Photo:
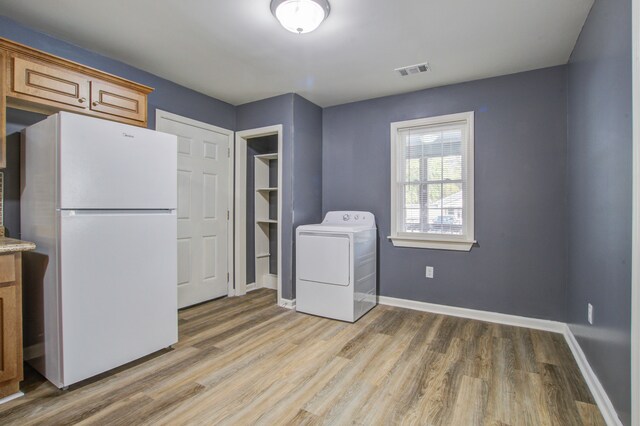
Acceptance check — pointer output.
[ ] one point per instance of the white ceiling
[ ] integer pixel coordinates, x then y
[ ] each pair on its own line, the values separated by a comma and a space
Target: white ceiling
236, 51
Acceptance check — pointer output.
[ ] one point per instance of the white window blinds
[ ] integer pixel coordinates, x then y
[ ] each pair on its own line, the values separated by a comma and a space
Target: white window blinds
431, 183
432, 173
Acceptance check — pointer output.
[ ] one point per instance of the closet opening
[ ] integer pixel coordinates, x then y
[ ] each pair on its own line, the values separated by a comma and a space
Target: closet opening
258, 210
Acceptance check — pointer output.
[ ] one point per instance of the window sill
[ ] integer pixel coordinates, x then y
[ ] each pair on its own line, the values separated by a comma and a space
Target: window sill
432, 244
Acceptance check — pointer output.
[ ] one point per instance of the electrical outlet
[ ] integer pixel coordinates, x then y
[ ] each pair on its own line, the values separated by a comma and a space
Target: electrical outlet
590, 313
429, 272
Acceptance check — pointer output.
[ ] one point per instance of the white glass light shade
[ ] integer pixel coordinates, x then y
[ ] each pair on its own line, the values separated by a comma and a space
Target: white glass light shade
300, 16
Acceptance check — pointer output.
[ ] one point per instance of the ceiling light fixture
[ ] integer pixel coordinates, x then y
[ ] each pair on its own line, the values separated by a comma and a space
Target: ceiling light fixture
300, 16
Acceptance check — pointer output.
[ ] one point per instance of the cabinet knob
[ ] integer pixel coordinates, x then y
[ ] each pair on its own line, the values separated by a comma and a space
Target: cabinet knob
82, 100
94, 103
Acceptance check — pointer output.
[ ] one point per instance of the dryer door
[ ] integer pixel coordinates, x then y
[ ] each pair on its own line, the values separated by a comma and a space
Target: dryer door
324, 258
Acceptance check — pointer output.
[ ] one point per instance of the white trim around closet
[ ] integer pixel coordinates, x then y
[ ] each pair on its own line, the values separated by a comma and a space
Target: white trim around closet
241, 285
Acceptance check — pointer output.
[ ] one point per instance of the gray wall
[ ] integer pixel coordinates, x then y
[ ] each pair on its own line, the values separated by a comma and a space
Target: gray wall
519, 266
301, 190
307, 166
599, 196
167, 96
268, 112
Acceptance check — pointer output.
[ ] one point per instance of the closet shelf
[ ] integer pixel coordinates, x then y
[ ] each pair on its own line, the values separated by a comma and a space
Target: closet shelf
266, 189
272, 156
266, 221
259, 256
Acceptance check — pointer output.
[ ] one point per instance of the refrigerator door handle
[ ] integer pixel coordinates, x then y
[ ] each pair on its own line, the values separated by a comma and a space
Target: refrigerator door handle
112, 212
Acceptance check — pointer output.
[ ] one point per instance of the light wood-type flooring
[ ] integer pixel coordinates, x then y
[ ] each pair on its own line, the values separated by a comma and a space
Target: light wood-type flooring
244, 361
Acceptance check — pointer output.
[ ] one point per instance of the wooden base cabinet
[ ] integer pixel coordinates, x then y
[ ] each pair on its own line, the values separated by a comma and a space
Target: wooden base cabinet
11, 372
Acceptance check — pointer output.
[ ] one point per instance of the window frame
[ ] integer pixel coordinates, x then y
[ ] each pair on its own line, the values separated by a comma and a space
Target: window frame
462, 242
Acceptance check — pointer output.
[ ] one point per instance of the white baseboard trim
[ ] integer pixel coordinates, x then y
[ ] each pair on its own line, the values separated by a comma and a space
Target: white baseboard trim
598, 392
288, 303
270, 281
602, 400
535, 323
11, 397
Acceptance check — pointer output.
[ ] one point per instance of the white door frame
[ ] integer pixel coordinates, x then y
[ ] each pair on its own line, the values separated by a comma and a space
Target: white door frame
164, 115
241, 205
635, 232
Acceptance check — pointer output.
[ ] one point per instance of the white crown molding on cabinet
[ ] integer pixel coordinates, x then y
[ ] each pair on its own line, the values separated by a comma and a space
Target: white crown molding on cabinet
599, 394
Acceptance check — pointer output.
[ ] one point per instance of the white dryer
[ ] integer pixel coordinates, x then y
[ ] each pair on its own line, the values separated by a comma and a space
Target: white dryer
336, 266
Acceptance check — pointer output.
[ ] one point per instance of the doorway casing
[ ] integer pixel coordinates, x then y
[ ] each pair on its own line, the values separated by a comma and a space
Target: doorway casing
240, 220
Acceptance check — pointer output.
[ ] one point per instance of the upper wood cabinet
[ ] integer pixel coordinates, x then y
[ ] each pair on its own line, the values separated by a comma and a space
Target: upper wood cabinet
118, 101
37, 81
44, 82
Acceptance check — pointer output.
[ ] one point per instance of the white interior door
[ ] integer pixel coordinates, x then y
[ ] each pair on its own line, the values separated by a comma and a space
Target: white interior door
203, 205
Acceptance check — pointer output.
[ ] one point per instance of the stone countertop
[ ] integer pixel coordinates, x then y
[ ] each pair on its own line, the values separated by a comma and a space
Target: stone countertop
11, 245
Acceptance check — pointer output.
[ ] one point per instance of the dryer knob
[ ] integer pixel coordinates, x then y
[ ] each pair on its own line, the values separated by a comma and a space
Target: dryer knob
346, 217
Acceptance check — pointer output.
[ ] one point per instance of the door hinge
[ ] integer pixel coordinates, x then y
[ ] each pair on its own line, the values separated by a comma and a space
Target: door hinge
227, 277
228, 152
227, 214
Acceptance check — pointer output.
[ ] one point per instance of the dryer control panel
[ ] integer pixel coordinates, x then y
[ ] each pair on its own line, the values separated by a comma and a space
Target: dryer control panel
349, 217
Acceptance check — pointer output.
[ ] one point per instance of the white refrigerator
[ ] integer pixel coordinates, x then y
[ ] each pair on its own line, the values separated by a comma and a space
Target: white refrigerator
99, 200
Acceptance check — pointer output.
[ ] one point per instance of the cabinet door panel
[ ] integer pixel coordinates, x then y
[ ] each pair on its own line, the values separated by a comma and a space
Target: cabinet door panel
7, 269
118, 101
8, 333
51, 83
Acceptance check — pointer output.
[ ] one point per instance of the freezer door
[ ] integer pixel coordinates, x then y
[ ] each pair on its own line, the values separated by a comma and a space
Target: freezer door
324, 258
118, 294
107, 165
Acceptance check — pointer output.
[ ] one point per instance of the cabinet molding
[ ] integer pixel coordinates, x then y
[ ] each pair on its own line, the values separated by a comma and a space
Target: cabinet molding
37, 81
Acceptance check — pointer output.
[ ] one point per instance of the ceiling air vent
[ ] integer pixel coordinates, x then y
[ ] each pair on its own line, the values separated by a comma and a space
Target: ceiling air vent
413, 69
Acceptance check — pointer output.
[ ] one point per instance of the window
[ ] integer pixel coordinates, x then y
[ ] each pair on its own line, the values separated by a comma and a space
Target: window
432, 182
